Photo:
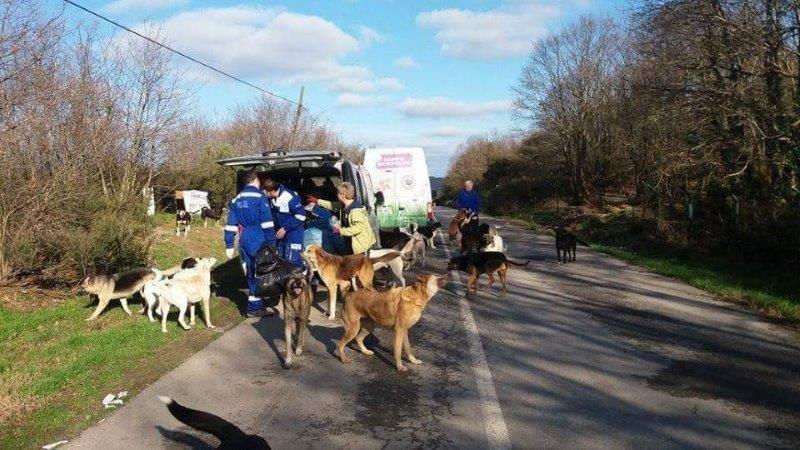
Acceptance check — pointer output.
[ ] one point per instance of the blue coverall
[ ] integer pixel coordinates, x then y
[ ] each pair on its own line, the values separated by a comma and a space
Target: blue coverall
250, 210
469, 200
291, 216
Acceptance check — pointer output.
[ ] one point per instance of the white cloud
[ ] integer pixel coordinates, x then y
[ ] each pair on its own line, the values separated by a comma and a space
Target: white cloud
441, 107
405, 62
447, 132
391, 84
269, 43
120, 6
498, 33
368, 36
348, 99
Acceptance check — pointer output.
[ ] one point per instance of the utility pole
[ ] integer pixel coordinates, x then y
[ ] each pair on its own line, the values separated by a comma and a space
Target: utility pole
297, 117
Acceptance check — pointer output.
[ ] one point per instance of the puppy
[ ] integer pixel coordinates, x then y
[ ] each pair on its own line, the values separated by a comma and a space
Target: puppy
477, 264
187, 288
229, 435
182, 219
210, 213
397, 309
297, 300
430, 232
340, 271
117, 286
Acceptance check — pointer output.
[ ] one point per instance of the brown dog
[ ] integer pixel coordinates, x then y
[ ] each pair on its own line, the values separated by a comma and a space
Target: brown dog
454, 229
477, 264
341, 271
296, 309
397, 309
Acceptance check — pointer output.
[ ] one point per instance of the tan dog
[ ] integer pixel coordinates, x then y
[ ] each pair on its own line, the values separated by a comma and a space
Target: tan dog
454, 229
117, 286
397, 309
341, 271
296, 310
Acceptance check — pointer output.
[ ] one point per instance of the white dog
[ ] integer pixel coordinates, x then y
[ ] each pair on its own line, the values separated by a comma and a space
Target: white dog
186, 288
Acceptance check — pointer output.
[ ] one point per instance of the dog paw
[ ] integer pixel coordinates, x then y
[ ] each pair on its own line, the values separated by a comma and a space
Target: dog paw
332, 317
415, 361
164, 331
287, 364
210, 326
402, 369
298, 352
367, 352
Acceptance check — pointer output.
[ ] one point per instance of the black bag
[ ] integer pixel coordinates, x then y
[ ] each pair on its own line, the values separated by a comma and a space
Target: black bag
272, 272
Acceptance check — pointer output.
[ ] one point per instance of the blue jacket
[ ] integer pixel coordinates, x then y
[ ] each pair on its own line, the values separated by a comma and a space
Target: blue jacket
469, 200
250, 210
289, 213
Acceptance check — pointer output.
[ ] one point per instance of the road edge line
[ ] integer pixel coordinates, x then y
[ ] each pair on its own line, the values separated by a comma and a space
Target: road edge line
496, 430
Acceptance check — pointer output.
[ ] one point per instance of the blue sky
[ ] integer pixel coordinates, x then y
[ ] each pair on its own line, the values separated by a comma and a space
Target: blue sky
381, 72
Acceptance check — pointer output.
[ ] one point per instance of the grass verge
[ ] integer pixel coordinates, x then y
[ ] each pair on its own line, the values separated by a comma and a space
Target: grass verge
770, 291
55, 368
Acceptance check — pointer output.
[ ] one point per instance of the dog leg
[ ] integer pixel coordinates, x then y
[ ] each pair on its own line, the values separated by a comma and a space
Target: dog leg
205, 222
182, 317
101, 305
398, 349
287, 335
363, 333
503, 273
177, 230
350, 332
207, 312
124, 303
491, 280
150, 307
164, 314
407, 348
300, 335
333, 291
191, 314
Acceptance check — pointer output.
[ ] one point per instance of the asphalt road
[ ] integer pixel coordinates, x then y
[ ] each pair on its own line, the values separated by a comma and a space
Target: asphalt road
595, 354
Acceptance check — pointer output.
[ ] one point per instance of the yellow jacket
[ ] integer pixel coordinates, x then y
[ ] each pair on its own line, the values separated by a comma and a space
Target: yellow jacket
359, 229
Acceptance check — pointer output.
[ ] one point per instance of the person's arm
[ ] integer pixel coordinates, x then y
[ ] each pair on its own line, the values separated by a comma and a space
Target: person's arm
298, 212
458, 200
358, 224
477, 201
267, 223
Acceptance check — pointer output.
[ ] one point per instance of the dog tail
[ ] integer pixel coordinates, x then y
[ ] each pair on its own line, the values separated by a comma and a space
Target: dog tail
518, 264
201, 420
385, 258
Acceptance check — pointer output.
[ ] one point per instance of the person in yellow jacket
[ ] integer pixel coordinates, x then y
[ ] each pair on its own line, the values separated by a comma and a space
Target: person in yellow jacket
355, 227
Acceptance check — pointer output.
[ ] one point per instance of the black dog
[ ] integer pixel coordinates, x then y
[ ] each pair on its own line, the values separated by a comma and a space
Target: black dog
566, 242
183, 218
477, 264
229, 435
430, 231
394, 238
210, 213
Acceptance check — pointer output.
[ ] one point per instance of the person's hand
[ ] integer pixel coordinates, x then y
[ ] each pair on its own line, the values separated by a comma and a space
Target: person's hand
280, 234
337, 229
229, 253
311, 199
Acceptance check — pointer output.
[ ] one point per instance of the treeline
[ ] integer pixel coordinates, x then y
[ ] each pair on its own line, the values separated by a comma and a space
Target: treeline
87, 123
690, 109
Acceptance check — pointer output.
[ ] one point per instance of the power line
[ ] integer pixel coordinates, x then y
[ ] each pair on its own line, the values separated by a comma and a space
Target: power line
178, 52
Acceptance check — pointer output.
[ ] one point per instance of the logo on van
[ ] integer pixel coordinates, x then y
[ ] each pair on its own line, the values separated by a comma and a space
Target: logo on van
396, 161
408, 182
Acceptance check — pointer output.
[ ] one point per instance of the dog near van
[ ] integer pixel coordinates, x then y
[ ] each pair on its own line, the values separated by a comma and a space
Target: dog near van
182, 219
297, 298
211, 213
119, 286
397, 309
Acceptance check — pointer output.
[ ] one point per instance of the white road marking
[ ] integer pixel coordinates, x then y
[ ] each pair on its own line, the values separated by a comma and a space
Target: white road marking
496, 430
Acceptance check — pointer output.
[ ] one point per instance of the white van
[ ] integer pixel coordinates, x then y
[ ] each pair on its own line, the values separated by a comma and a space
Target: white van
401, 174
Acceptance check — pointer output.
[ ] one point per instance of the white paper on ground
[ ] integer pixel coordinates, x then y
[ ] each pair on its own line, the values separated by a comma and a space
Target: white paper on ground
53, 445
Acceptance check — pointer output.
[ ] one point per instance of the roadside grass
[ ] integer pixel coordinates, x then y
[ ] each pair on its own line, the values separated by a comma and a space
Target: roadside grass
773, 292
55, 368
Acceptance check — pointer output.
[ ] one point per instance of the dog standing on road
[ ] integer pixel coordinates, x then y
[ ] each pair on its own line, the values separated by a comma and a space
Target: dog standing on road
430, 231
183, 219
477, 264
397, 309
117, 286
566, 242
297, 300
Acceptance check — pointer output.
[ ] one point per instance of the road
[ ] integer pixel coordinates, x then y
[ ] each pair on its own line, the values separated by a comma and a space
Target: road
595, 354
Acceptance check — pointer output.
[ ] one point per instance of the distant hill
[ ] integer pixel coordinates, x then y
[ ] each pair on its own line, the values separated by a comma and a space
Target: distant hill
437, 183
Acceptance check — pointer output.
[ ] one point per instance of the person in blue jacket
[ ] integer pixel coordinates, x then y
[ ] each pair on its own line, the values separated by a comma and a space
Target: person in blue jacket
468, 199
250, 211
290, 216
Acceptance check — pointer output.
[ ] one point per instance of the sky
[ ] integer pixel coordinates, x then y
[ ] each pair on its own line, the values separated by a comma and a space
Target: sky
380, 72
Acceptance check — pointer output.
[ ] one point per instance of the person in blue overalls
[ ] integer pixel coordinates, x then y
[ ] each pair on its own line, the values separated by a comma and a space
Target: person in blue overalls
250, 210
290, 217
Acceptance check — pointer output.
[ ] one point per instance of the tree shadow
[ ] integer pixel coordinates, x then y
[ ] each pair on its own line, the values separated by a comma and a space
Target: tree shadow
229, 282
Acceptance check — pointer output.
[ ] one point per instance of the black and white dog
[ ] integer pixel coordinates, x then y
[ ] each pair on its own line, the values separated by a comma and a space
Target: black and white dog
210, 213
183, 219
430, 231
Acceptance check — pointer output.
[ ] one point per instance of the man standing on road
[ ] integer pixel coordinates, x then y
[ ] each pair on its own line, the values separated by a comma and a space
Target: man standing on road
291, 216
468, 199
250, 211
355, 226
